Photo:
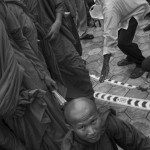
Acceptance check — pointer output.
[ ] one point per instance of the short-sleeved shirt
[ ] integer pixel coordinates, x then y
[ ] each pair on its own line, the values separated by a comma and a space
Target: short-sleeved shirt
117, 14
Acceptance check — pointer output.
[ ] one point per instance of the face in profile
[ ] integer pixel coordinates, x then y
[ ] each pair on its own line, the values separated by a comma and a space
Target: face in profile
88, 127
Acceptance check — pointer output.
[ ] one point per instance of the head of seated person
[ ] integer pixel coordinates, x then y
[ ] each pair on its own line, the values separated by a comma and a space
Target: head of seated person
83, 118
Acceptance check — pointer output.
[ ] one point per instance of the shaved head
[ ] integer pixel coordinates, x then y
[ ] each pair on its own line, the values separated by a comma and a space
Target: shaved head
78, 109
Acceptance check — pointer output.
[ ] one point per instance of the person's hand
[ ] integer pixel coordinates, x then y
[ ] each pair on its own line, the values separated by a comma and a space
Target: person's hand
20, 111
105, 68
50, 82
104, 73
54, 31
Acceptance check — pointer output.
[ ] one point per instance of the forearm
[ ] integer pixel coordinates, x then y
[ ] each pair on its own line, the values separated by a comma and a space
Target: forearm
111, 27
59, 18
106, 59
126, 135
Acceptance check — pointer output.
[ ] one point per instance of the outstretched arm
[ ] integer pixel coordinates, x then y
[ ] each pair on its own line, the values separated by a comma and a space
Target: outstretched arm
127, 136
111, 26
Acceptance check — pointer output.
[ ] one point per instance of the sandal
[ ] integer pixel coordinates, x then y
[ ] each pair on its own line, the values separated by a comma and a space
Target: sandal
124, 62
137, 72
87, 37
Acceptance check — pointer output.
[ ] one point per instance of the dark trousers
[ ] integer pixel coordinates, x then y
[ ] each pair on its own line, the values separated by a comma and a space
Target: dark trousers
125, 44
146, 64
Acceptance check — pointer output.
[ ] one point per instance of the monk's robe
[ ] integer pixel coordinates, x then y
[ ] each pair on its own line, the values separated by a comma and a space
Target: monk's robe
29, 31
71, 65
11, 75
113, 132
42, 127
70, 22
26, 24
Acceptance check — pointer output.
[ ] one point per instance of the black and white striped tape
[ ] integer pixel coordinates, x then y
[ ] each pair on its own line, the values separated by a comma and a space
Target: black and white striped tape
115, 82
127, 101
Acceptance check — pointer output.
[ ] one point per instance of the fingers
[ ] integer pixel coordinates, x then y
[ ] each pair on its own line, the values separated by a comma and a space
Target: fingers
54, 85
52, 37
20, 111
49, 35
102, 78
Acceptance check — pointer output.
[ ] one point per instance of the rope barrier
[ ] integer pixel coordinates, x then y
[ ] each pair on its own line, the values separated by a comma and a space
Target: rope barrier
127, 101
115, 82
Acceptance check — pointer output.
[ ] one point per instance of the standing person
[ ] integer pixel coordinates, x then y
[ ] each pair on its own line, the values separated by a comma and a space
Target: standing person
49, 14
18, 8
11, 75
39, 126
82, 20
121, 18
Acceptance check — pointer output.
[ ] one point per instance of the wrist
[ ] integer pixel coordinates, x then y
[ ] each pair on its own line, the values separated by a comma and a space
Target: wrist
106, 59
58, 21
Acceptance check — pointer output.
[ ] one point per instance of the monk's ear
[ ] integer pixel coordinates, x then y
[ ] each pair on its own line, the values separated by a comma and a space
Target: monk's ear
69, 127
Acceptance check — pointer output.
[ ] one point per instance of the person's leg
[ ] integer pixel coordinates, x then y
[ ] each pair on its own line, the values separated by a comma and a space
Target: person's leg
125, 44
146, 64
132, 50
81, 10
82, 14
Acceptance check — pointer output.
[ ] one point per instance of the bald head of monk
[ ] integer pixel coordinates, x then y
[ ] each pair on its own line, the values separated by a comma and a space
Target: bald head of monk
82, 116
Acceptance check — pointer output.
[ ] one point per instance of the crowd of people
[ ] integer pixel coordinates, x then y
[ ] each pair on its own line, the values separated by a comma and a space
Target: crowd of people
41, 52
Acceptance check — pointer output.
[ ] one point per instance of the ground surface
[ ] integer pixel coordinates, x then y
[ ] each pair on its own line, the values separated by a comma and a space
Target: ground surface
92, 53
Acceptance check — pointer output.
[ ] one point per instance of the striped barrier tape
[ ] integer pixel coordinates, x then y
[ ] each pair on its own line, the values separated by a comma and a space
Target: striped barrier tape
115, 82
127, 101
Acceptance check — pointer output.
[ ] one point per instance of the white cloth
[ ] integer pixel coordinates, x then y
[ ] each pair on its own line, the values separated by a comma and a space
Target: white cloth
117, 14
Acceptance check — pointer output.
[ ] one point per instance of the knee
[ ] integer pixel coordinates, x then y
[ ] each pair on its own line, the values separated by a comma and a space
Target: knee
121, 45
146, 64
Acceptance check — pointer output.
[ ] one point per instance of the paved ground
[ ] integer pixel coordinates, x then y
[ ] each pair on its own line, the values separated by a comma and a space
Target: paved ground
92, 53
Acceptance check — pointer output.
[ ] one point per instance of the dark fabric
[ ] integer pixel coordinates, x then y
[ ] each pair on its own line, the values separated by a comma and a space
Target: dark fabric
42, 127
146, 64
113, 131
8, 140
26, 24
29, 31
71, 25
50, 8
43, 118
71, 65
11, 75
127, 136
125, 38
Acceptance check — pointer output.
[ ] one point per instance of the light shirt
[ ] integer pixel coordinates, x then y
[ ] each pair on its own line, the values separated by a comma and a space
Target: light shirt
117, 14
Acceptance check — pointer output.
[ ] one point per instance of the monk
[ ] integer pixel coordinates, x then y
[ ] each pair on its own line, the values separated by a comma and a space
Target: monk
24, 82
11, 75
49, 14
94, 130
26, 22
